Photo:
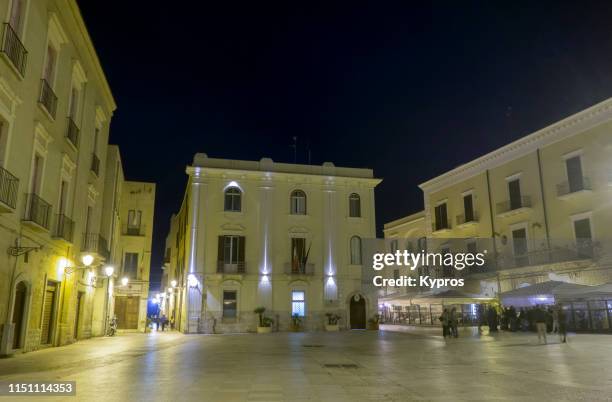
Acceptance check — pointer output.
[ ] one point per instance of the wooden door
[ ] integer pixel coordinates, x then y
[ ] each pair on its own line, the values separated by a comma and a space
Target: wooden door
358, 312
127, 309
77, 319
48, 313
19, 310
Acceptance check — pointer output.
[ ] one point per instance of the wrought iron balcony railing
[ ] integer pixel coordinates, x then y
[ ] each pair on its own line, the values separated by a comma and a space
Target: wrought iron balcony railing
238, 267
514, 204
296, 268
14, 49
64, 227
47, 98
8, 188
134, 230
440, 225
95, 243
72, 132
573, 186
463, 219
95, 164
37, 210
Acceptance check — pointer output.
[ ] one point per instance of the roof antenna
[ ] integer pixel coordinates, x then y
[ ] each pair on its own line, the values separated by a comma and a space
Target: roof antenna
294, 146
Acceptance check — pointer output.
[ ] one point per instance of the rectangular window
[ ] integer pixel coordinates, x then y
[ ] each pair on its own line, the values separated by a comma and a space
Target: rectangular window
514, 190
574, 174
16, 15
584, 240
468, 208
74, 102
134, 220
298, 303
231, 254
63, 197
519, 246
441, 217
130, 265
49, 71
394, 246
37, 174
298, 254
229, 304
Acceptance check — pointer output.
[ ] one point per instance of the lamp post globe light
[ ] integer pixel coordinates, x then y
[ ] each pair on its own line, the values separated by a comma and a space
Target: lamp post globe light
125, 281
109, 270
173, 283
87, 259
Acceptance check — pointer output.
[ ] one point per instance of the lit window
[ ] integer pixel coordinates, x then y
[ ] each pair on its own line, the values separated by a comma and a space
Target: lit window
229, 304
298, 303
233, 199
355, 250
354, 206
298, 203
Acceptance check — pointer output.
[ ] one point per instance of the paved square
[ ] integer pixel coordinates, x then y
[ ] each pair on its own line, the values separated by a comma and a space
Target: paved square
417, 364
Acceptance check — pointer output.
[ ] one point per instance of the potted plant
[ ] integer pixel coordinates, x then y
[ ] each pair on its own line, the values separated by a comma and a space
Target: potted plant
332, 322
265, 323
296, 323
373, 322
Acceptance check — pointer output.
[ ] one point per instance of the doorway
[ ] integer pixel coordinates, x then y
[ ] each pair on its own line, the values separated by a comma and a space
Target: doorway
77, 320
357, 312
19, 314
46, 335
127, 309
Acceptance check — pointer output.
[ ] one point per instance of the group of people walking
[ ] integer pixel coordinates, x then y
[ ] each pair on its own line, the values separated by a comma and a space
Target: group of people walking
450, 322
538, 318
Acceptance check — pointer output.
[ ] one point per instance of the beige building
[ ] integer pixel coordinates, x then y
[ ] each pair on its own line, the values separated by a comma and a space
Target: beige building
540, 206
61, 186
55, 110
259, 233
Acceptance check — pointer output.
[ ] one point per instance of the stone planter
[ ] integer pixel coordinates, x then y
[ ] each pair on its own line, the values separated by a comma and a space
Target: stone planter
264, 330
332, 328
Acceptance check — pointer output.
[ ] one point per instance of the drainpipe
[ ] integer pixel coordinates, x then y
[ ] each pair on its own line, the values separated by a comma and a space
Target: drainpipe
493, 232
543, 202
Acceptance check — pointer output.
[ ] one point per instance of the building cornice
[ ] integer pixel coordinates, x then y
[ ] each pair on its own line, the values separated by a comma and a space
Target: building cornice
568, 127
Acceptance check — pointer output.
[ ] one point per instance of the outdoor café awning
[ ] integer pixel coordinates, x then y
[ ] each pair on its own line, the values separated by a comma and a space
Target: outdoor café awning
449, 296
542, 293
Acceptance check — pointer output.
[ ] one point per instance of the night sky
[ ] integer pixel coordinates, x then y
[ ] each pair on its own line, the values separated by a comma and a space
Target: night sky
410, 92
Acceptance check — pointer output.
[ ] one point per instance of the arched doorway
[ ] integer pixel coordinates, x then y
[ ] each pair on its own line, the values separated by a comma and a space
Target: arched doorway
358, 312
19, 312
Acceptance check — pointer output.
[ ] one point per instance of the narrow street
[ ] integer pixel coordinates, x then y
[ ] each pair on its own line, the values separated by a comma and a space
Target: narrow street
346, 366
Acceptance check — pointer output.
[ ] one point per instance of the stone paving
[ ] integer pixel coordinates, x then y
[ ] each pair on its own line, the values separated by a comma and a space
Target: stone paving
398, 364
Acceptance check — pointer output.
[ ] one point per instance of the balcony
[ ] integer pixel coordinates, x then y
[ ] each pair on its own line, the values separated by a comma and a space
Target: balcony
299, 268
440, 225
510, 207
9, 185
72, 133
13, 49
238, 267
95, 164
64, 228
96, 244
36, 212
47, 98
463, 220
132, 230
568, 188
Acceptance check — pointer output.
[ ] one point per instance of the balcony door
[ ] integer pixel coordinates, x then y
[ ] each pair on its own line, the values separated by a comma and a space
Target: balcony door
298, 254
37, 174
17, 8
231, 254
574, 174
514, 189
584, 240
468, 207
441, 217
519, 246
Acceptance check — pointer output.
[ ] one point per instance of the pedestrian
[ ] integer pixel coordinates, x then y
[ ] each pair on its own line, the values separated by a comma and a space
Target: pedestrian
163, 320
444, 318
453, 322
555, 317
562, 324
539, 316
492, 319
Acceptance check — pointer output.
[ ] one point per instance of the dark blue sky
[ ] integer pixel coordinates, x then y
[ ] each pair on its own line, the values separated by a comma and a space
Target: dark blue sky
409, 91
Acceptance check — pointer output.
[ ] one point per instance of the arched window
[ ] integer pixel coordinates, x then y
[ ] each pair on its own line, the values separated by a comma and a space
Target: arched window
355, 250
298, 202
233, 199
354, 205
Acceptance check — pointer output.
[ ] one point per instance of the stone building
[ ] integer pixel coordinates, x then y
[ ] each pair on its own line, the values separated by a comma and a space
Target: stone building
55, 111
540, 206
287, 237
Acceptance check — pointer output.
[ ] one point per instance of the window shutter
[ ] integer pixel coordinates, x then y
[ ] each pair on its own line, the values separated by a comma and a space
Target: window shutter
241, 241
220, 248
